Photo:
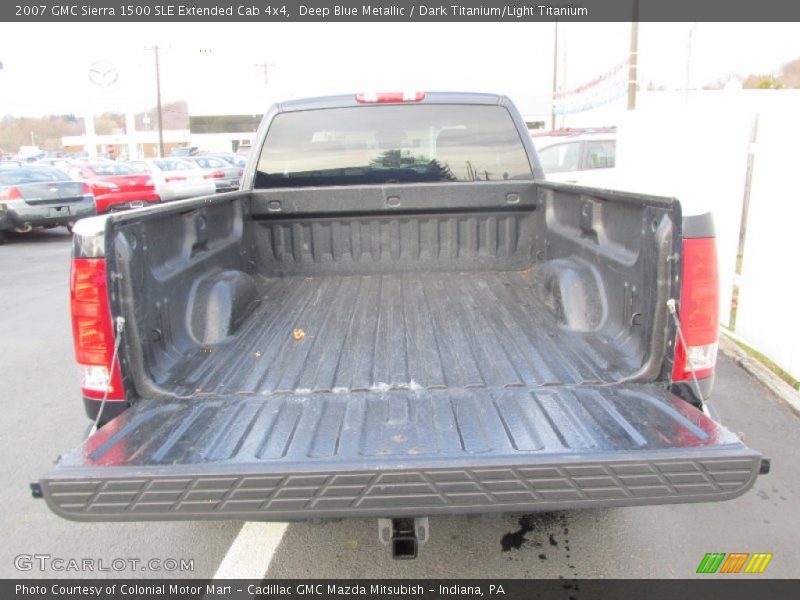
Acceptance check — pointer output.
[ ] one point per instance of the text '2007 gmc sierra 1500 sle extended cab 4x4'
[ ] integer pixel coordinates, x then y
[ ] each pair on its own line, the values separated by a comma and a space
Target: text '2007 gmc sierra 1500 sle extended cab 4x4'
395, 317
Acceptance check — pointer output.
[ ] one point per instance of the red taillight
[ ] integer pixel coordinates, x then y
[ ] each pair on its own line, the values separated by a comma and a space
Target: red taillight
381, 97
172, 178
92, 330
699, 310
102, 185
214, 175
9, 194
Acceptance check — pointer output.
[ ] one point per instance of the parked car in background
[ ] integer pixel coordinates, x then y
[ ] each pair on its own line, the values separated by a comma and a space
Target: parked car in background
41, 196
58, 162
232, 159
30, 154
585, 158
175, 178
116, 186
225, 176
184, 151
10, 163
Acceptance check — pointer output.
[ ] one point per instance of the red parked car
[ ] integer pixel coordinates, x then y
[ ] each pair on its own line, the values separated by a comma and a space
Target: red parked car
116, 186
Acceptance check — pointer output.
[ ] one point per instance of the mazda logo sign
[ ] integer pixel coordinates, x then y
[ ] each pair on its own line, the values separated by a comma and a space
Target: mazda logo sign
103, 73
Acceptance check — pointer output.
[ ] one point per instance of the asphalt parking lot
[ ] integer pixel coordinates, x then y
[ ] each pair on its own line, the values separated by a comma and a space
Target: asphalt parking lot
43, 416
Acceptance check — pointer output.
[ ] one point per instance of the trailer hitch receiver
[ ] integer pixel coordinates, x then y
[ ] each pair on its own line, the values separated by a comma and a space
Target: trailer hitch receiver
404, 536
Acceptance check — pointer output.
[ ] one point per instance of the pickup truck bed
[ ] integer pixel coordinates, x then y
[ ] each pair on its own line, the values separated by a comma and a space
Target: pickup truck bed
442, 368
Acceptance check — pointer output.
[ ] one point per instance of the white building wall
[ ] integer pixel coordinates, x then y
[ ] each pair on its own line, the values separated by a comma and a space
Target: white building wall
768, 316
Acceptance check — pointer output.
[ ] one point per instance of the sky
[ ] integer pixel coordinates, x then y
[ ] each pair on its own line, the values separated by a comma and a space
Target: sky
214, 66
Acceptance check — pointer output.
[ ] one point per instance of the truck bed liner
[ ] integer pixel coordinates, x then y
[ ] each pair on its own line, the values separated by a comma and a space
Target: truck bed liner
401, 331
400, 453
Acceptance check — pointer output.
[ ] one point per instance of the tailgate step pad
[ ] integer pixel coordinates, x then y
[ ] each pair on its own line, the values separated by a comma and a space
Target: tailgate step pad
400, 453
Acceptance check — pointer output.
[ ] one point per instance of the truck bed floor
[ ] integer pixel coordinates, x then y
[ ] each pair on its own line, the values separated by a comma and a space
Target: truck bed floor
407, 331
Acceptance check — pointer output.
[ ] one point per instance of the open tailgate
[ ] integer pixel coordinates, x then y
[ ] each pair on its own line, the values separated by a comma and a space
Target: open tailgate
400, 453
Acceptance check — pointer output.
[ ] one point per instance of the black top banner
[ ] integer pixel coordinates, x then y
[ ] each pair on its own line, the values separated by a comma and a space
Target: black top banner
276, 11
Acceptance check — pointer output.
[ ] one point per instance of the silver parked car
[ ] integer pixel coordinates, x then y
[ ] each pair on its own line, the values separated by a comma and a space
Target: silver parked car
41, 196
226, 176
233, 159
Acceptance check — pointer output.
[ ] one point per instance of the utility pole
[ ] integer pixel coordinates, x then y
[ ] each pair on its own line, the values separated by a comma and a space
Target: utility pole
634, 56
688, 83
266, 67
555, 78
158, 105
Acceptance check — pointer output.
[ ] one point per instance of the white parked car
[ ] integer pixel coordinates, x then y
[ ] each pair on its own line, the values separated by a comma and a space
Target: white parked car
583, 158
175, 178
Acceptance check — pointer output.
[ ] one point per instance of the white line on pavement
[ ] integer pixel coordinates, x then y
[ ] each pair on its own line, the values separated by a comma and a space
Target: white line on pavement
251, 552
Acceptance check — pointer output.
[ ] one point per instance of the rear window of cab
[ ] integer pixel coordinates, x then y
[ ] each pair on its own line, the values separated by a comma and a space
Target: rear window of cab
392, 144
